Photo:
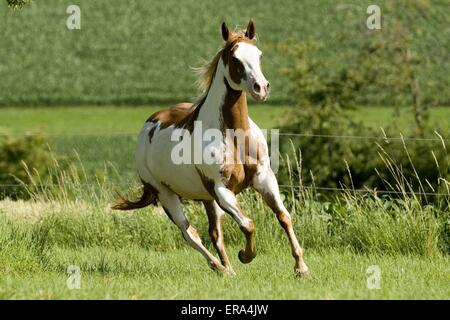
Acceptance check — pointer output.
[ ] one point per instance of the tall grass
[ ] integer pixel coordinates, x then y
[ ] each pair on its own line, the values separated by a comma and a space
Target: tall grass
78, 215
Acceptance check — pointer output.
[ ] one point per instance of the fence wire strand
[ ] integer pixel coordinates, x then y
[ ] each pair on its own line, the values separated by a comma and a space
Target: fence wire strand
285, 186
287, 134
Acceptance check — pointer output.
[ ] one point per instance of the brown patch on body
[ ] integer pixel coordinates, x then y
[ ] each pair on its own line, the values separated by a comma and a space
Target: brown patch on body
193, 232
284, 220
240, 172
181, 115
208, 183
235, 109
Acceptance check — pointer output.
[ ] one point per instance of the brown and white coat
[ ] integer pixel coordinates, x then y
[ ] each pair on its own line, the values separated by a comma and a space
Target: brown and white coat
234, 71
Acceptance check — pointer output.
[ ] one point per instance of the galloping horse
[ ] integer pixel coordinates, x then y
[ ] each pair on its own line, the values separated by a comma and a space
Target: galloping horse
234, 71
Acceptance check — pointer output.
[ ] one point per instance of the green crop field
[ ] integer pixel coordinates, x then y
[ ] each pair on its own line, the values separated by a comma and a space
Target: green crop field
139, 52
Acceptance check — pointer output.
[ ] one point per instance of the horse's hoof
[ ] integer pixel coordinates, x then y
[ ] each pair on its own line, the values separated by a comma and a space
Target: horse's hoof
231, 272
245, 258
301, 271
218, 267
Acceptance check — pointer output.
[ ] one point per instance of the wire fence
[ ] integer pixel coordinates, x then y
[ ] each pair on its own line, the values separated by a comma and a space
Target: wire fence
282, 186
287, 134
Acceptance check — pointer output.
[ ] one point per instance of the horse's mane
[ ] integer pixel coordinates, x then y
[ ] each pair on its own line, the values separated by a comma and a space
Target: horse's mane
207, 72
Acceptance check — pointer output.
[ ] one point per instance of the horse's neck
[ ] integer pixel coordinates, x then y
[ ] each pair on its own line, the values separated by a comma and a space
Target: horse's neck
234, 109
224, 108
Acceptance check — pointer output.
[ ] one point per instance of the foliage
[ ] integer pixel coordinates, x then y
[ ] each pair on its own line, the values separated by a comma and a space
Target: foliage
24, 160
17, 3
335, 150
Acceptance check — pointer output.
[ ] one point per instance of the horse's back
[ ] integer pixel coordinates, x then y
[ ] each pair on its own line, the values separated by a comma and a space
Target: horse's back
173, 115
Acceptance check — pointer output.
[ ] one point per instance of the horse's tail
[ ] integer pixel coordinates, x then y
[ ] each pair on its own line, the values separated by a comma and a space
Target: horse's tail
148, 197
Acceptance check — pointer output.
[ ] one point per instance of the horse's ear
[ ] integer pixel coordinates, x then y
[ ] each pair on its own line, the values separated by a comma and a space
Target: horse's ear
250, 32
225, 31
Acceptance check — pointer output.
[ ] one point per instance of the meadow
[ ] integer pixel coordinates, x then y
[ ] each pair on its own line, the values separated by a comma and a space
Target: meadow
89, 91
141, 254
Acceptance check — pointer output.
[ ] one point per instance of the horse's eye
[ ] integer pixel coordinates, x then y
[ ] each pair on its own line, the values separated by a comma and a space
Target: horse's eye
234, 59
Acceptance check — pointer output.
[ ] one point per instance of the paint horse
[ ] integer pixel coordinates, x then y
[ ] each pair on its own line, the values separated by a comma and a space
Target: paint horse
234, 71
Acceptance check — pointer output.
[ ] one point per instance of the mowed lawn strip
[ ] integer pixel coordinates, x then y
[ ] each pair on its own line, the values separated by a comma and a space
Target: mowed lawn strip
121, 120
107, 120
131, 273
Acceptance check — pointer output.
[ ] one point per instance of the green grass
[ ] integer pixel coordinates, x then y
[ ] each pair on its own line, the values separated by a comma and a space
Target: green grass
141, 254
183, 275
106, 120
102, 135
381, 117
96, 120
137, 52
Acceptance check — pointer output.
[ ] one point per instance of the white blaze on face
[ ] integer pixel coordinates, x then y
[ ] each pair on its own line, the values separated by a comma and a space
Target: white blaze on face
254, 81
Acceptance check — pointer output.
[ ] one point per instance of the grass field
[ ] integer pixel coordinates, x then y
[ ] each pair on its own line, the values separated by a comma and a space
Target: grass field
141, 254
96, 120
90, 90
105, 120
180, 274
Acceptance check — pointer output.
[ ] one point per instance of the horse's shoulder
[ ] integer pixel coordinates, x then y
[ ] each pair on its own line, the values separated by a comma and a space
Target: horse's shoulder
172, 115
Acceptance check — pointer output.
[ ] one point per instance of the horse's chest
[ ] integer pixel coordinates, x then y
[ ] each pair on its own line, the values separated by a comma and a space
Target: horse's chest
239, 168
237, 177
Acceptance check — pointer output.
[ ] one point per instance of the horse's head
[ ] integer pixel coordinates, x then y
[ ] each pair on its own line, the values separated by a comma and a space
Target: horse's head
242, 60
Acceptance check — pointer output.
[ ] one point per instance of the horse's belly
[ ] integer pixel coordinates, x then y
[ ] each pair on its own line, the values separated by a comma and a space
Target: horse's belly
184, 180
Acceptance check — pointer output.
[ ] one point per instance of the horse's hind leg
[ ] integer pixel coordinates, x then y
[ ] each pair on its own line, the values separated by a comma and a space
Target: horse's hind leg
266, 184
172, 206
215, 215
228, 202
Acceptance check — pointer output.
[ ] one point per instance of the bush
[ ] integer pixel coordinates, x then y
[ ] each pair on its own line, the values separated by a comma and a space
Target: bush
333, 149
23, 159
17, 3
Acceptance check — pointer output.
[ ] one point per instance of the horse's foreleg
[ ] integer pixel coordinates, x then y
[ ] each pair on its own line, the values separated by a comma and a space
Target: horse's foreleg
172, 206
266, 184
226, 199
215, 215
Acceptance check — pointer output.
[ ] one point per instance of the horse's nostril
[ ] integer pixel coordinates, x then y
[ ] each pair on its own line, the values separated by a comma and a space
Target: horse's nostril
268, 86
256, 88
